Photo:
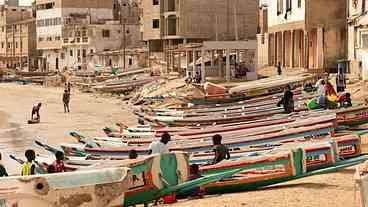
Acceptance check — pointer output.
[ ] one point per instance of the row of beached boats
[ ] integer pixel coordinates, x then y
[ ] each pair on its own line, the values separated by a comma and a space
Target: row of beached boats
267, 147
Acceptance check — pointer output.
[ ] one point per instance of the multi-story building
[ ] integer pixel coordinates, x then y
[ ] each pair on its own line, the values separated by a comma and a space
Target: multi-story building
172, 22
358, 37
21, 49
307, 34
17, 36
52, 18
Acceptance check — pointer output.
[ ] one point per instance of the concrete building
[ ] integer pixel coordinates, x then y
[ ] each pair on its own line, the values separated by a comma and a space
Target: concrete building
358, 38
135, 58
52, 18
17, 36
307, 34
262, 37
167, 23
21, 49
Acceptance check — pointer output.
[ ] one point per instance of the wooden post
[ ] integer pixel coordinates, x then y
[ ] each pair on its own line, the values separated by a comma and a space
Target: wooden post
187, 63
228, 78
203, 66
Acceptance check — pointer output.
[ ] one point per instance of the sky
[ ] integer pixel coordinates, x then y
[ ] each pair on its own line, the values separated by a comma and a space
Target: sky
21, 2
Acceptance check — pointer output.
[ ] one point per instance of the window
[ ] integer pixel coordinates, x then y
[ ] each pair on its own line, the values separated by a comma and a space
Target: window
3, 29
85, 39
84, 33
40, 39
84, 53
299, 3
156, 2
280, 6
58, 38
9, 45
364, 37
78, 53
66, 40
16, 44
49, 39
130, 61
77, 33
91, 51
62, 56
2, 44
78, 39
106, 33
155, 23
71, 53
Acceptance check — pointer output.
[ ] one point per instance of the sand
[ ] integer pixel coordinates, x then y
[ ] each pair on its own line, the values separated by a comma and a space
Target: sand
90, 113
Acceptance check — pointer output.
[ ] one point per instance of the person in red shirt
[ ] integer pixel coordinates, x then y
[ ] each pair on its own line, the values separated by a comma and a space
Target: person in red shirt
59, 162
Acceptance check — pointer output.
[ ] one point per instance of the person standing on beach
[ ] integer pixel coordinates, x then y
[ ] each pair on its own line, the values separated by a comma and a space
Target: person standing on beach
279, 70
29, 166
287, 100
160, 147
66, 100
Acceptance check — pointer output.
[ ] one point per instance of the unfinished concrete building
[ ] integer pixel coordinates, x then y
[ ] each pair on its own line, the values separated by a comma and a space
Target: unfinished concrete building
167, 23
307, 34
358, 38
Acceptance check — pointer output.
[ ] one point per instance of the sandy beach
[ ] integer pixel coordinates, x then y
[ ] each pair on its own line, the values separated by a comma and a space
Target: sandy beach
90, 113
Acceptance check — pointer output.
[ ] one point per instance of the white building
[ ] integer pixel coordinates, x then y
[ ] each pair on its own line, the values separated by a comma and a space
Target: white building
54, 16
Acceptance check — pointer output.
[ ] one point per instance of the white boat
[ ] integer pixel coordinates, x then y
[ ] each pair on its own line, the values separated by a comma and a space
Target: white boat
102, 187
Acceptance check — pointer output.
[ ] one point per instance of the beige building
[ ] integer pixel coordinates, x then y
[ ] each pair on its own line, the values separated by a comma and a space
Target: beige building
358, 37
17, 36
171, 22
21, 49
306, 34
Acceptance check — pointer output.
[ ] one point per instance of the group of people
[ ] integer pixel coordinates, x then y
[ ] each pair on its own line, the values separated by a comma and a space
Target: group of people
30, 165
327, 97
35, 115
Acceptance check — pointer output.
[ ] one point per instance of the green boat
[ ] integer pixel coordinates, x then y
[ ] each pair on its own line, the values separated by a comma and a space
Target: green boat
284, 165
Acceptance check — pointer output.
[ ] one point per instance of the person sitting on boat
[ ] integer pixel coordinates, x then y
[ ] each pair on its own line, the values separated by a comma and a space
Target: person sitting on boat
160, 147
133, 154
195, 174
287, 100
59, 162
29, 166
345, 100
3, 172
221, 151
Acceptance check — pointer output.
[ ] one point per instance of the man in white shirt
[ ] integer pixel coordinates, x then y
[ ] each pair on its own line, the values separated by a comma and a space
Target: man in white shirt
160, 147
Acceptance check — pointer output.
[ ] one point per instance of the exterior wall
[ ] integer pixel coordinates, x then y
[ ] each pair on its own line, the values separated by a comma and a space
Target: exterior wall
357, 27
77, 48
296, 16
133, 60
262, 50
150, 12
195, 21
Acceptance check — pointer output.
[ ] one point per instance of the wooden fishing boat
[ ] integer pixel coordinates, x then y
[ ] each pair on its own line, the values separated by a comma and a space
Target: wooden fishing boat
228, 132
103, 187
306, 131
352, 116
126, 183
280, 166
